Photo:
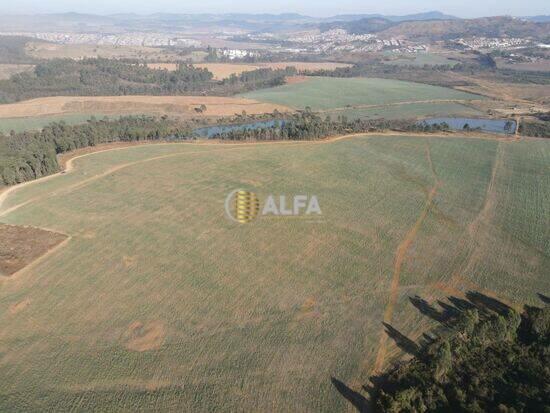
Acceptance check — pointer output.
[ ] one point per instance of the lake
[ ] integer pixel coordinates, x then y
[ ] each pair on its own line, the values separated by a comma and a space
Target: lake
211, 131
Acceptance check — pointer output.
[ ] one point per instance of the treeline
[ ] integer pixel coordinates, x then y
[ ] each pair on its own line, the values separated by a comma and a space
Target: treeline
489, 358
307, 125
255, 79
66, 77
30, 155
535, 128
483, 66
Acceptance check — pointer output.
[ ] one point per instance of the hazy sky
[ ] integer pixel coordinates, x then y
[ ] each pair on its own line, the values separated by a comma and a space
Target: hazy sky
461, 8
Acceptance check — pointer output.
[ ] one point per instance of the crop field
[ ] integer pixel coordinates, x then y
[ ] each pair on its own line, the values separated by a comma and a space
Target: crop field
158, 301
117, 105
329, 93
407, 111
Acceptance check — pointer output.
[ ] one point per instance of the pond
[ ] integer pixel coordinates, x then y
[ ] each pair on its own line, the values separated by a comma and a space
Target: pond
505, 126
211, 131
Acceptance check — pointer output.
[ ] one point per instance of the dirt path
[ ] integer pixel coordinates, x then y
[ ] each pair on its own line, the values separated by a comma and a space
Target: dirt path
400, 255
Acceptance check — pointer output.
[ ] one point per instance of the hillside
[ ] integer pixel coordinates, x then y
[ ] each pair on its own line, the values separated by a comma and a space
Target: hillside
438, 29
486, 26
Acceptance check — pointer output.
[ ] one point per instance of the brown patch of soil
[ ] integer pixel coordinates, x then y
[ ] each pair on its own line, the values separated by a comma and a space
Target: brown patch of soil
20, 306
296, 79
144, 337
20, 246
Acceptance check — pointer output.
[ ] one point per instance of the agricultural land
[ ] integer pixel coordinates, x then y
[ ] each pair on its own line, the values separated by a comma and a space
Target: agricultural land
158, 302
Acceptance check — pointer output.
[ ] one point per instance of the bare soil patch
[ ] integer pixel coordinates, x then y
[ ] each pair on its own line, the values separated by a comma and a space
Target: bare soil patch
20, 246
296, 79
143, 337
158, 105
19, 306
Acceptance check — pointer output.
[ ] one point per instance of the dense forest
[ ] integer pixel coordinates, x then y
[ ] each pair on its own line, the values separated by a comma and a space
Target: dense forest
489, 358
30, 155
95, 77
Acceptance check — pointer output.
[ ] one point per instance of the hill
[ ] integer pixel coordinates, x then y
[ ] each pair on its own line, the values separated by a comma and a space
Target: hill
438, 29
486, 27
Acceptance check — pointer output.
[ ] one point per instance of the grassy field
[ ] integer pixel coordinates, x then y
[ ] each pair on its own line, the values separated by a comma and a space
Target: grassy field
414, 110
38, 122
158, 301
419, 59
119, 105
43, 50
329, 93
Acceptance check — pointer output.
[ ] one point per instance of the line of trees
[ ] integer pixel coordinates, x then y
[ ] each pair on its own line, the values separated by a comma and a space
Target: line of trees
307, 125
30, 155
66, 77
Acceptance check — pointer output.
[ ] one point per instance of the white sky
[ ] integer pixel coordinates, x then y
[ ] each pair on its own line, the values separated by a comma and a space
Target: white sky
461, 8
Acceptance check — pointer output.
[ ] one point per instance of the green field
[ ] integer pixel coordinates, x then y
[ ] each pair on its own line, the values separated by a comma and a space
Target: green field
408, 111
419, 59
321, 93
38, 122
158, 302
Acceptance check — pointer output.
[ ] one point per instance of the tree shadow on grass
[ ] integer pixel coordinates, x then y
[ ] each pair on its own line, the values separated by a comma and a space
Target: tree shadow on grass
445, 314
544, 298
356, 399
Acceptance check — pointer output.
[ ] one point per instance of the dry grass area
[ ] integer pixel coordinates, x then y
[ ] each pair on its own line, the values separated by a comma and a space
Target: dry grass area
159, 303
224, 70
158, 105
20, 246
42, 50
7, 70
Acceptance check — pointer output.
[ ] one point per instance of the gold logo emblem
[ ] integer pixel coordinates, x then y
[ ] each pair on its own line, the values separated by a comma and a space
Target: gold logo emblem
242, 206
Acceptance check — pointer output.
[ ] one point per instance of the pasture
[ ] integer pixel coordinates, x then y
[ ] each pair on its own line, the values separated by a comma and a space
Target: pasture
158, 301
321, 93
119, 105
407, 111
44, 50
418, 59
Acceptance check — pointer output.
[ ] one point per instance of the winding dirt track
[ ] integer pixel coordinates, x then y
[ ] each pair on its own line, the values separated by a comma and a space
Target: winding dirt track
400, 255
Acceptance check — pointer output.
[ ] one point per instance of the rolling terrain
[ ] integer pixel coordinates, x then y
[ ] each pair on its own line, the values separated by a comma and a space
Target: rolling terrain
157, 301
321, 93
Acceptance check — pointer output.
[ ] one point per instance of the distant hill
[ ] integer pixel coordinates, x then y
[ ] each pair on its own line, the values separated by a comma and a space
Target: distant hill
431, 15
539, 19
445, 29
486, 26
361, 26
